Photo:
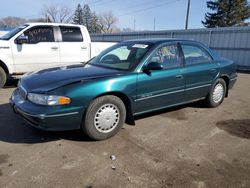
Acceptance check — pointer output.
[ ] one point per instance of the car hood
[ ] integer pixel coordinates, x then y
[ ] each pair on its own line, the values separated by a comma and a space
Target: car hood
56, 77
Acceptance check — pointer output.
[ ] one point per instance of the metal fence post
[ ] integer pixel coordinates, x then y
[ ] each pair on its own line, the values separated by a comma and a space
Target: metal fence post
209, 38
172, 34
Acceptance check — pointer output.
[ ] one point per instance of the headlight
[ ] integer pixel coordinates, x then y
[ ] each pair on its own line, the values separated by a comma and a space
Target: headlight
48, 99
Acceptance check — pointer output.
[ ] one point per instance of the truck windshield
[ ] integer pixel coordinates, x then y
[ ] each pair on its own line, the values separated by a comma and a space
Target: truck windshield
13, 32
123, 56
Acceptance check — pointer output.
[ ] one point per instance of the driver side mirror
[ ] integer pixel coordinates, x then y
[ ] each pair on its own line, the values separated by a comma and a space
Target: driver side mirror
153, 66
23, 39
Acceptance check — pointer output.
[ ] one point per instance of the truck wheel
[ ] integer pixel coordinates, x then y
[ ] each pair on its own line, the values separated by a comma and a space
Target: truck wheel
104, 117
217, 93
3, 77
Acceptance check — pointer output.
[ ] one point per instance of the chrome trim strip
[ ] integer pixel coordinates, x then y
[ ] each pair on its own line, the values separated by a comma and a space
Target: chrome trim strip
206, 85
66, 114
42, 116
181, 90
158, 95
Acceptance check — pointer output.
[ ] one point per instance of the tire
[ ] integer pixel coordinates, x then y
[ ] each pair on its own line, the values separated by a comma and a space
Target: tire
216, 94
3, 77
104, 117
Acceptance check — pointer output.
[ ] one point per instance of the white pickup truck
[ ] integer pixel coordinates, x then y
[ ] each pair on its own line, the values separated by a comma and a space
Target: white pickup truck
36, 46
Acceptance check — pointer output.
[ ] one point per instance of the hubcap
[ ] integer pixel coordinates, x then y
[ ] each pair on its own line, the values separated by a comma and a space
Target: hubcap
218, 93
107, 118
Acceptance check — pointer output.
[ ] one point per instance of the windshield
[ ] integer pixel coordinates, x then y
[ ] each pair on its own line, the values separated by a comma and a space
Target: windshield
123, 56
13, 32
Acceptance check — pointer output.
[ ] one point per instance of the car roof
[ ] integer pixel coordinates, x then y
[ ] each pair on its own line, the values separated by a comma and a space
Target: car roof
52, 24
160, 40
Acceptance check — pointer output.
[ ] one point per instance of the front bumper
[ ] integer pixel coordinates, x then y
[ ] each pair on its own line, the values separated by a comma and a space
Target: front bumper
47, 118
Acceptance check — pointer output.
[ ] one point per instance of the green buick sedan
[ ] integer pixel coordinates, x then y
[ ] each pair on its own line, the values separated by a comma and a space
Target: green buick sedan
130, 78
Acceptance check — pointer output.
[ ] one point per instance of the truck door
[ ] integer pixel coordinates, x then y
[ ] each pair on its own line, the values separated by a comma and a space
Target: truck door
74, 48
40, 52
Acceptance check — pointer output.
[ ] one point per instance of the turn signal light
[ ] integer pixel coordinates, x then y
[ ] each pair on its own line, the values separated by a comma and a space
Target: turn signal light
63, 100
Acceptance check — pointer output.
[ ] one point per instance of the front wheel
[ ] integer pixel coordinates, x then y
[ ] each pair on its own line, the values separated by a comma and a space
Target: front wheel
104, 117
217, 93
3, 77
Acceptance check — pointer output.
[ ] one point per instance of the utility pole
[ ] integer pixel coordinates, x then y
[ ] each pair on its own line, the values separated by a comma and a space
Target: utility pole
154, 23
187, 17
134, 24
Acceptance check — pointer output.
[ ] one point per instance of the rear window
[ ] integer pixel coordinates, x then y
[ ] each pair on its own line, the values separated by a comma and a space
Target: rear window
195, 55
71, 34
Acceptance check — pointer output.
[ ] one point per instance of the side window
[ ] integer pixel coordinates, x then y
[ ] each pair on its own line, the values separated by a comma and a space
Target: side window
195, 55
71, 34
167, 55
40, 34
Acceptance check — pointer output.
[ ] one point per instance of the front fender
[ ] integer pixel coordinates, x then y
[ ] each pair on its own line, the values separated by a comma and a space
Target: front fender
83, 93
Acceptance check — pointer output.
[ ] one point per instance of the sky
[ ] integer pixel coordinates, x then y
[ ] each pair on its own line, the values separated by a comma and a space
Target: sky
141, 14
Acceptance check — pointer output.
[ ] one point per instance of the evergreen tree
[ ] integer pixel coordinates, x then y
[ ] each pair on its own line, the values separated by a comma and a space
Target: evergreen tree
87, 16
90, 20
227, 13
78, 15
95, 25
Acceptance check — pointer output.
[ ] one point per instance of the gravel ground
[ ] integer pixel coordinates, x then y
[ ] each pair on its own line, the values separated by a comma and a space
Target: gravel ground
188, 146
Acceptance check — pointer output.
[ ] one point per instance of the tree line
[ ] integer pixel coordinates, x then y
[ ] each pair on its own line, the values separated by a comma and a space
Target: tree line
83, 15
224, 13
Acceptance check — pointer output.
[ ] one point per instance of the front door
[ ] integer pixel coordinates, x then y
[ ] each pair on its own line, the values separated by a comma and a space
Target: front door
161, 88
40, 52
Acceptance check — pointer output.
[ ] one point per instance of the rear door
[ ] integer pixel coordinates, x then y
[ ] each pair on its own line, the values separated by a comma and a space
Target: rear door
200, 71
40, 52
74, 49
161, 88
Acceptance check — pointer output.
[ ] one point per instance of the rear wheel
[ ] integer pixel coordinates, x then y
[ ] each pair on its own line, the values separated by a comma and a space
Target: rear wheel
104, 117
217, 93
3, 77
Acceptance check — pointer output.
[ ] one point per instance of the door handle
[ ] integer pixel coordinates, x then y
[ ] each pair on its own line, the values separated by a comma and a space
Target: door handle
179, 76
83, 47
54, 48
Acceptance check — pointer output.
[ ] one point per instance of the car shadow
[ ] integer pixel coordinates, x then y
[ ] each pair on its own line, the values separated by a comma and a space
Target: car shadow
15, 130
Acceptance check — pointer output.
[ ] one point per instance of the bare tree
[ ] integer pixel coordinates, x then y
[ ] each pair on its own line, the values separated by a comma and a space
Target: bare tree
11, 21
57, 13
108, 21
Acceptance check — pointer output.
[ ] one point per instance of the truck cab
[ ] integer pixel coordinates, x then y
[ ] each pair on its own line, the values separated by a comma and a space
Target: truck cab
35, 46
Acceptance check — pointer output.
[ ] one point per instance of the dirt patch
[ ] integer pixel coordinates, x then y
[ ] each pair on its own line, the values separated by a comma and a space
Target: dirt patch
1, 172
4, 158
240, 128
178, 114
